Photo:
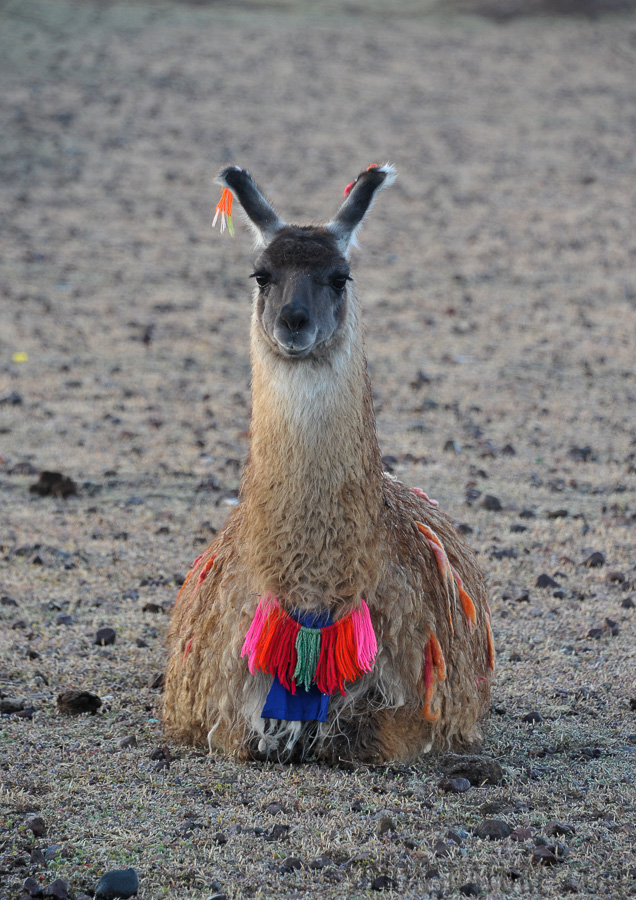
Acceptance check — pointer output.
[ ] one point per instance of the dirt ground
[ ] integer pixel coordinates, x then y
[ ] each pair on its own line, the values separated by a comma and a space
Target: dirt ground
498, 279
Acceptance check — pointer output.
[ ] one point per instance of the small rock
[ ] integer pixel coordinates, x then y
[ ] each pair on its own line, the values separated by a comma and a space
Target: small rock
451, 446
457, 835
613, 577
32, 887
442, 849
477, 769
36, 824
543, 856
595, 560
457, 785
385, 824
105, 636
118, 883
493, 830
544, 581
558, 514
580, 454
383, 883
10, 705
151, 607
558, 828
220, 839
470, 889
52, 851
321, 862
54, 484
161, 752
492, 503
60, 889
37, 857
292, 864
527, 514
8, 601
533, 718
595, 633
64, 619
76, 702
125, 742
569, 887
274, 808
627, 603
12, 398
140, 642
521, 834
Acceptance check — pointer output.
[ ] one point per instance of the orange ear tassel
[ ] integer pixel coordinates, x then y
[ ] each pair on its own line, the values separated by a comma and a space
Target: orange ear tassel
224, 209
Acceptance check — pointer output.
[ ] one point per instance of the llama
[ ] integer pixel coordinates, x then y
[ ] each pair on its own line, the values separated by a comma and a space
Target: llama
338, 614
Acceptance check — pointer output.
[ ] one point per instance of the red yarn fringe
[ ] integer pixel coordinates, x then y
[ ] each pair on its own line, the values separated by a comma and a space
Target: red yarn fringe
206, 568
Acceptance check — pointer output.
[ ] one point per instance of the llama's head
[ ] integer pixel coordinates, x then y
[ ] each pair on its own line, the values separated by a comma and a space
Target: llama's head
302, 273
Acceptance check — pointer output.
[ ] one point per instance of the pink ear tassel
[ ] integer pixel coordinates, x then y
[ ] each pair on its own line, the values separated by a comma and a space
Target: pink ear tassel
252, 637
366, 643
424, 496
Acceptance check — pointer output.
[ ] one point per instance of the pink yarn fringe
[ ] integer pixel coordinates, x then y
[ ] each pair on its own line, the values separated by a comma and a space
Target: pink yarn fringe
366, 643
265, 605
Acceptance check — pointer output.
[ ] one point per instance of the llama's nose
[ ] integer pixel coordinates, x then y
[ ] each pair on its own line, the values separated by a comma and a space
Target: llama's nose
295, 316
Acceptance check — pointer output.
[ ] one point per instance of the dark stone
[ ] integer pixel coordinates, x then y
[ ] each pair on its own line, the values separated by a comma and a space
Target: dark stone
493, 830
383, 883
151, 607
11, 397
126, 742
274, 808
627, 603
492, 503
105, 636
385, 824
321, 862
32, 887
533, 718
37, 825
60, 889
54, 484
442, 849
544, 581
580, 454
527, 514
477, 769
278, 833
140, 642
457, 785
52, 851
558, 828
543, 856
76, 702
292, 864
37, 857
10, 705
157, 681
521, 834
162, 752
470, 889
595, 560
8, 601
64, 619
558, 514
119, 883
220, 839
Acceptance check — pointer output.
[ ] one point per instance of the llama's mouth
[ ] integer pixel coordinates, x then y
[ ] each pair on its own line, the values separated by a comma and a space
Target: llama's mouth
294, 352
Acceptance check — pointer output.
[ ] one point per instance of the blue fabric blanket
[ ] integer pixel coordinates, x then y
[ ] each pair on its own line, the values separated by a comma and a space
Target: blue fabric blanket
303, 706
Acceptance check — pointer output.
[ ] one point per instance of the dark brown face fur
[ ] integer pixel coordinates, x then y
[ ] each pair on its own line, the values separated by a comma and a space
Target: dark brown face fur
302, 291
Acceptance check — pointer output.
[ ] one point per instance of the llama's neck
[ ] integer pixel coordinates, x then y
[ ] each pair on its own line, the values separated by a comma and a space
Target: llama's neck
312, 489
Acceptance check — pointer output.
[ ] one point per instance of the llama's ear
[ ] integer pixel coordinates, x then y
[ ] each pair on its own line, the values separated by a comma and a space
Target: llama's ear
262, 216
359, 198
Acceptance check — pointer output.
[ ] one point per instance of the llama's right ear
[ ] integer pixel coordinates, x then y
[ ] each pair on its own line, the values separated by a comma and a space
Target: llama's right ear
262, 217
359, 195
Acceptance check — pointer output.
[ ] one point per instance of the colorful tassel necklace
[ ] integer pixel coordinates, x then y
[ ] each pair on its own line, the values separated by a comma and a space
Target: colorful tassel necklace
301, 656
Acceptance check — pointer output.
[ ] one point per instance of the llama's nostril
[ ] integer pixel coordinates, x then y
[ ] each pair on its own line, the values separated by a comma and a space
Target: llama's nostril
294, 317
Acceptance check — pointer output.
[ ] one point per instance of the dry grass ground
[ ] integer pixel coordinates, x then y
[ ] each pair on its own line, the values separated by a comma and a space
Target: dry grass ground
501, 267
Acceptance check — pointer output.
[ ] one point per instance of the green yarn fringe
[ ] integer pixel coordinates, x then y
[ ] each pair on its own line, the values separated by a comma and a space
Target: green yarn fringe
308, 650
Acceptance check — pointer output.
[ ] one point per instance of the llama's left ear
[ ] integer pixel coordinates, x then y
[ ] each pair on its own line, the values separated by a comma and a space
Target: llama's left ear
262, 217
359, 195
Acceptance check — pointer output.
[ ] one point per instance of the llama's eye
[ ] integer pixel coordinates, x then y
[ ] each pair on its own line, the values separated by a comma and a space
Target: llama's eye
339, 282
262, 279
